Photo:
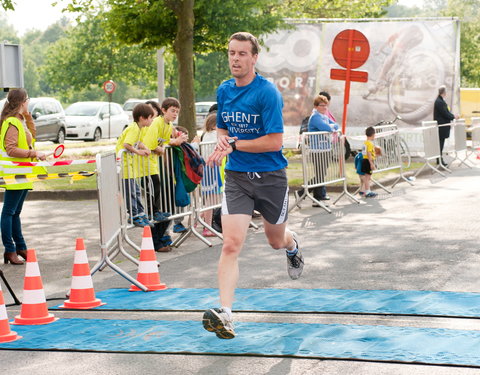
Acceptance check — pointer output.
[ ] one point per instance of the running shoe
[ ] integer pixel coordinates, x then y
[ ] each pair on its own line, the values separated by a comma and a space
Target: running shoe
295, 262
179, 228
138, 221
371, 194
146, 221
161, 216
218, 321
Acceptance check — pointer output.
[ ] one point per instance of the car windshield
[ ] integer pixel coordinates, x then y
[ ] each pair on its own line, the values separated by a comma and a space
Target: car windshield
31, 104
128, 106
83, 109
202, 108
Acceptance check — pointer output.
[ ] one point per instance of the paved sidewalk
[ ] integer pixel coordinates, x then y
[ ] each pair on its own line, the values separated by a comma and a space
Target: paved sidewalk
423, 237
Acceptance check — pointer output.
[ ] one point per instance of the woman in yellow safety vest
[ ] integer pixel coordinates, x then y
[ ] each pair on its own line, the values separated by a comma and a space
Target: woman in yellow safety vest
17, 136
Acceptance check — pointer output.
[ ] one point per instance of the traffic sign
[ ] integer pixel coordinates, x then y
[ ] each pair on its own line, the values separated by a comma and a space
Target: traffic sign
109, 86
357, 52
350, 49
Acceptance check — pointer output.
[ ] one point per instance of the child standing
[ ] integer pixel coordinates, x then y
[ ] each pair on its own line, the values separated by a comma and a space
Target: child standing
159, 134
368, 163
130, 140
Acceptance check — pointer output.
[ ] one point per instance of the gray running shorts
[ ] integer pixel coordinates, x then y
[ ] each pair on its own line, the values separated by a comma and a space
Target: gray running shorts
266, 192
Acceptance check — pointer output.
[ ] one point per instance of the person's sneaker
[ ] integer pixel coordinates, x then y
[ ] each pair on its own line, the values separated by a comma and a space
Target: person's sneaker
161, 216
146, 221
295, 262
361, 193
218, 321
208, 233
371, 194
179, 228
138, 221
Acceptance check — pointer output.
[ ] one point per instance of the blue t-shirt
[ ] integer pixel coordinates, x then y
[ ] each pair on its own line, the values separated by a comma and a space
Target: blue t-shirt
249, 112
320, 123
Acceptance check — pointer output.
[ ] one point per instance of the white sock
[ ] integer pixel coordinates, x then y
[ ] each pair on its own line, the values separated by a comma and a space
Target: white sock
228, 310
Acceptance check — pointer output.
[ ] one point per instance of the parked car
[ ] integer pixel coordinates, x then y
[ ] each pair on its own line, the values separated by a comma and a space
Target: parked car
95, 120
201, 110
49, 118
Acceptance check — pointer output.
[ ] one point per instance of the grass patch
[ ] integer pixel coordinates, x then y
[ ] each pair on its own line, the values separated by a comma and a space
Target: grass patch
89, 183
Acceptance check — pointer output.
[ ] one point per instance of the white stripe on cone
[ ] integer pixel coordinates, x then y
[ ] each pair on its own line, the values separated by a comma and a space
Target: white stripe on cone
31, 297
80, 257
82, 282
147, 243
3, 313
148, 266
32, 269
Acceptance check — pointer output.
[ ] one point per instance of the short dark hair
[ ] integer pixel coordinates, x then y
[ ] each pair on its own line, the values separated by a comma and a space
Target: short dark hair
170, 102
325, 94
142, 110
243, 36
369, 131
182, 129
213, 108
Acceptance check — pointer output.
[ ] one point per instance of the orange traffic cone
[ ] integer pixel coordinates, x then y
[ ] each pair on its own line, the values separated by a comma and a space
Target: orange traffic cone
82, 295
148, 273
34, 307
5, 334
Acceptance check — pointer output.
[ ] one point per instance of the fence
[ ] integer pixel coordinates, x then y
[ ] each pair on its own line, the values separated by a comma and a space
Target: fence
475, 135
460, 141
323, 163
431, 148
387, 137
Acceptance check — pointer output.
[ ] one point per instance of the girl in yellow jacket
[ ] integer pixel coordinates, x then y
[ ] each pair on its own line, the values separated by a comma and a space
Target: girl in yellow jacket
17, 136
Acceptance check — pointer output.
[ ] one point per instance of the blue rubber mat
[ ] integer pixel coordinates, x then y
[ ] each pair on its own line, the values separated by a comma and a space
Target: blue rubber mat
334, 341
300, 300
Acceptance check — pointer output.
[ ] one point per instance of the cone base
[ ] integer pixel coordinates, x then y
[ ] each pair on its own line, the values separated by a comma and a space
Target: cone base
151, 288
9, 337
50, 318
67, 304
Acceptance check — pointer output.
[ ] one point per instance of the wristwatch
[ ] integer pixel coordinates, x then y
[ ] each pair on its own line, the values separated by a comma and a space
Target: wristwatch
232, 144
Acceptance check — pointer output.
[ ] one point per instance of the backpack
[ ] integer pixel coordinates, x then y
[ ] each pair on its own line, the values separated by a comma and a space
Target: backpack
358, 163
194, 163
304, 125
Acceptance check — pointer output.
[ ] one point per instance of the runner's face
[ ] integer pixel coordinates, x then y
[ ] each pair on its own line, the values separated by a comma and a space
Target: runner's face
240, 59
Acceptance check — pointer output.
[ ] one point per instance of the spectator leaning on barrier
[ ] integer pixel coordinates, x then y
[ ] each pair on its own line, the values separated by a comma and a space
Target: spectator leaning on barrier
442, 115
17, 138
320, 122
368, 163
130, 140
161, 133
250, 132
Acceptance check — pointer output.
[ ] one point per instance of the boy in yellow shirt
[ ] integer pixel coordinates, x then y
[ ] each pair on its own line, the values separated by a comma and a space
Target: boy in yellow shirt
130, 139
368, 163
159, 134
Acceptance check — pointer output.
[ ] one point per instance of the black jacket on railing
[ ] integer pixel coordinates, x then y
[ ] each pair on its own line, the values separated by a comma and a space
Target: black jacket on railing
442, 115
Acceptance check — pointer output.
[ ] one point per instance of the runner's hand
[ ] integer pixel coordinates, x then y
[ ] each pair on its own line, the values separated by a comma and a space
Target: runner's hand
217, 156
222, 144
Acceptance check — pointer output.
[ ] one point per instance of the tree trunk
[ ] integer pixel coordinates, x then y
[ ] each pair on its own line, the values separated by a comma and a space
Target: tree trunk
183, 48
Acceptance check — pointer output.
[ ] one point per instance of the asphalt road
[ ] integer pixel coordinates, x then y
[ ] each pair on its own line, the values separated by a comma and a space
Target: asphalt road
423, 237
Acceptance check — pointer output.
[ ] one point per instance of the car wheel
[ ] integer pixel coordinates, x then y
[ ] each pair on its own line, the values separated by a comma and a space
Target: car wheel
97, 135
60, 136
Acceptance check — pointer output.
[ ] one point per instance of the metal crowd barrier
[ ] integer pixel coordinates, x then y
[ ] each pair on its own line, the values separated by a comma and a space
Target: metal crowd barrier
475, 134
431, 148
323, 163
387, 137
109, 208
460, 141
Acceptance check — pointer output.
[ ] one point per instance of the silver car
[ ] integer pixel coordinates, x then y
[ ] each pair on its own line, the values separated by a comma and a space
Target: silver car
49, 118
95, 120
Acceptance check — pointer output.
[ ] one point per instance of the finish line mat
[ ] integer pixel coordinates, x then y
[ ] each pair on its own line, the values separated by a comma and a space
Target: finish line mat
322, 341
299, 300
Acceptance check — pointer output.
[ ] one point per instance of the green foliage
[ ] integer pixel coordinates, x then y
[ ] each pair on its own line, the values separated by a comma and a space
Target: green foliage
7, 4
88, 55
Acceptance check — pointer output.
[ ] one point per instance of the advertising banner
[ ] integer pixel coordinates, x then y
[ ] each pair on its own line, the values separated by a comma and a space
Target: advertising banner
409, 60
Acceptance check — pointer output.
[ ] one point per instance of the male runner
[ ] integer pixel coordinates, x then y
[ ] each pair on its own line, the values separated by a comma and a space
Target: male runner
250, 132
